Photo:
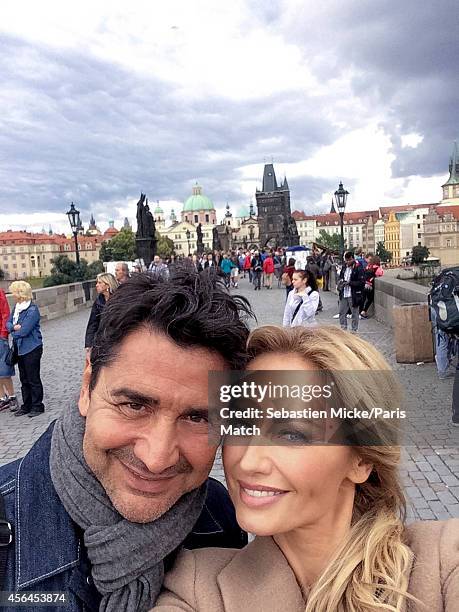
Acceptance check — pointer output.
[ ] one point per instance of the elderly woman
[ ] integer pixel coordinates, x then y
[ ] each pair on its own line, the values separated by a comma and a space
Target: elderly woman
106, 284
328, 514
7, 396
24, 326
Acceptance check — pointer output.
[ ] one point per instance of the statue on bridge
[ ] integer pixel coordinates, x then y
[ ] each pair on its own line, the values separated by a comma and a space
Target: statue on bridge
146, 231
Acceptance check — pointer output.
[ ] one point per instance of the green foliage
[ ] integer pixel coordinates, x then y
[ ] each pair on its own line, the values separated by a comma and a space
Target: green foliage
65, 271
419, 254
121, 247
383, 253
164, 246
330, 241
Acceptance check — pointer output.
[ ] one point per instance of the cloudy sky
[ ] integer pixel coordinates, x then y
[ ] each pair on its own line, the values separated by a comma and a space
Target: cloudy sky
102, 99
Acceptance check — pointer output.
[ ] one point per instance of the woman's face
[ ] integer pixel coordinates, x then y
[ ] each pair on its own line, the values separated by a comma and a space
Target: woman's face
18, 297
101, 287
298, 282
301, 486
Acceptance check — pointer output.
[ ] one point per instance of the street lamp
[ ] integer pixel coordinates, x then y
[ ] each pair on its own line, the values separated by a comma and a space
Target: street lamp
188, 236
75, 223
341, 199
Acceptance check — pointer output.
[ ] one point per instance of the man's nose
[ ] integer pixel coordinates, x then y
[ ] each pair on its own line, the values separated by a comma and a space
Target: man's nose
158, 447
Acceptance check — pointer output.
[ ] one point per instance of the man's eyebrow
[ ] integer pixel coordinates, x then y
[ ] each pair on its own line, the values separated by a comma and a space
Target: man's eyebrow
135, 396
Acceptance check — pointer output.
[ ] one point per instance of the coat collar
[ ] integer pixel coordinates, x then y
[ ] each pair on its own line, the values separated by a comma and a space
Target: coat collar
271, 577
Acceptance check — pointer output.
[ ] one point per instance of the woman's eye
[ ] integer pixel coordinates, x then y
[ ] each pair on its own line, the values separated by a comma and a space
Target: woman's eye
197, 418
293, 437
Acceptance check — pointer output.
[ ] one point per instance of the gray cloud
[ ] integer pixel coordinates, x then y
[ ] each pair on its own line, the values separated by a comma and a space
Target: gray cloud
404, 59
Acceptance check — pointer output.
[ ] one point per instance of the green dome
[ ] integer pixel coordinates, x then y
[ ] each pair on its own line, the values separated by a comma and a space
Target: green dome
197, 201
158, 210
243, 211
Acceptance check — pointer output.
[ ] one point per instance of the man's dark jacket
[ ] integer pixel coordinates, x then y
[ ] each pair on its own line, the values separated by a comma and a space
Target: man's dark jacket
47, 553
357, 283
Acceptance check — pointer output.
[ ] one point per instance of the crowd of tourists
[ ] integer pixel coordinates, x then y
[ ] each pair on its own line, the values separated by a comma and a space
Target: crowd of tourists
122, 476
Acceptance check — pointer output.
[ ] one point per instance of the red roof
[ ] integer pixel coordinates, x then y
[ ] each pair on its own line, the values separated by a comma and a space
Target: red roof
441, 211
406, 208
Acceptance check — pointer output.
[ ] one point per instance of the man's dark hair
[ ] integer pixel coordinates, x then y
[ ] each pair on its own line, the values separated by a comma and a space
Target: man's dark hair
192, 309
348, 255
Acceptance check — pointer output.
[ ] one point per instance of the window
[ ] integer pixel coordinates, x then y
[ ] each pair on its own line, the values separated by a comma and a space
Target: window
196, 218
419, 226
419, 235
23, 265
448, 242
207, 218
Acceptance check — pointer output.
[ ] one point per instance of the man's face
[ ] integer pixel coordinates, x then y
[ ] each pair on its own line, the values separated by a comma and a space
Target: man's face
350, 261
146, 424
156, 259
120, 274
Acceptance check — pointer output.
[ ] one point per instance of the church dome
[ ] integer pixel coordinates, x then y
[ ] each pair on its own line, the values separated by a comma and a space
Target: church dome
243, 211
197, 201
158, 210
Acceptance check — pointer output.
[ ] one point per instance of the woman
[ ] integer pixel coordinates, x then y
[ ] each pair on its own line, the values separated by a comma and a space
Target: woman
7, 396
303, 301
106, 284
372, 270
329, 519
24, 326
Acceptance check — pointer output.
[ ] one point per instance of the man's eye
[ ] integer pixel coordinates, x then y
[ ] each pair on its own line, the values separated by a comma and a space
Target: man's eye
133, 406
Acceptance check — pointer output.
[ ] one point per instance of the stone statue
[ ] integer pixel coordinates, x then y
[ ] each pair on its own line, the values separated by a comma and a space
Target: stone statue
199, 242
216, 244
146, 231
140, 217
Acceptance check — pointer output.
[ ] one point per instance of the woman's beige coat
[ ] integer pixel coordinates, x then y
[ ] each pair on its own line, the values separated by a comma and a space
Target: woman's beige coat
259, 579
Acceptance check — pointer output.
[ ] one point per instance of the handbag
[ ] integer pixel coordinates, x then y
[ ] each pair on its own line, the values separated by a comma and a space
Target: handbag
11, 357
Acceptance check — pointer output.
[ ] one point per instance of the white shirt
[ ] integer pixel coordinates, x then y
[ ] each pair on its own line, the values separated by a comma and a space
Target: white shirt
347, 292
307, 311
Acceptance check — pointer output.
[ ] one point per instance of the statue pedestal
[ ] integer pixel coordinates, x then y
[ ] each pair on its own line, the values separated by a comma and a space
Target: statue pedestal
145, 250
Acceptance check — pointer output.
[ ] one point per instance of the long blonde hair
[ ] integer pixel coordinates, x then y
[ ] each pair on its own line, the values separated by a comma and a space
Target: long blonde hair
370, 570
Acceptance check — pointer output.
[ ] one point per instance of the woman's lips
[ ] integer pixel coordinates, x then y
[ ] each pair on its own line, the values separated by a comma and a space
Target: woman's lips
254, 495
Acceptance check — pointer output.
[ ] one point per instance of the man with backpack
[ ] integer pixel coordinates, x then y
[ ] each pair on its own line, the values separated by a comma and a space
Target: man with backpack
444, 304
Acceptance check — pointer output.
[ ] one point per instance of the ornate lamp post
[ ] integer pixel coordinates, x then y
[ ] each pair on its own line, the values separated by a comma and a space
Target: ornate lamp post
188, 235
75, 224
341, 199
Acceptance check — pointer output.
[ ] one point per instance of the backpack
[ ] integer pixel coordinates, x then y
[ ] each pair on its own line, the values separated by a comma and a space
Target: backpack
444, 299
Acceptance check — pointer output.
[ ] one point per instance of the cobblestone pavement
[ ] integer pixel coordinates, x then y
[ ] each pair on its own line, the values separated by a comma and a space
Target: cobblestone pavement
430, 467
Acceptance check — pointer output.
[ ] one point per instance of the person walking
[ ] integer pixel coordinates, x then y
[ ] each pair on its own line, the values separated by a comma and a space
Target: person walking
302, 302
350, 286
327, 264
7, 395
287, 282
248, 265
268, 270
105, 286
372, 270
257, 269
226, 265
290, 267
24, 326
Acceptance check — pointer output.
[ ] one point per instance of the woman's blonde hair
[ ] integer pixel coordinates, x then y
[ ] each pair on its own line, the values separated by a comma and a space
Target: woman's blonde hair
109, 280
22, 289
370, 570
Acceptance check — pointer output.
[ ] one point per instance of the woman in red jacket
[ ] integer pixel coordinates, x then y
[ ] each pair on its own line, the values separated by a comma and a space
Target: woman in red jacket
7, 396
268, 270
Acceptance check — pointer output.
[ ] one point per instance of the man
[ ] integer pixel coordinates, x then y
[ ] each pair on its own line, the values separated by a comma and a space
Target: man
350, 286
121, 272
105, 497
268, 270
257, 270
159, 269
209, 263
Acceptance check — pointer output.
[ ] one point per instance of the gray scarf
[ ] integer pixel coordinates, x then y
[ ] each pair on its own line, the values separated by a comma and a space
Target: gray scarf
126, 558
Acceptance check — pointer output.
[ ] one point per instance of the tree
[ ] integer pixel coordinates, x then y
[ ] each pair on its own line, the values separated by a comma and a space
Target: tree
330, 241
65, 271
381, 251
164, 246
419, 254
121, 247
